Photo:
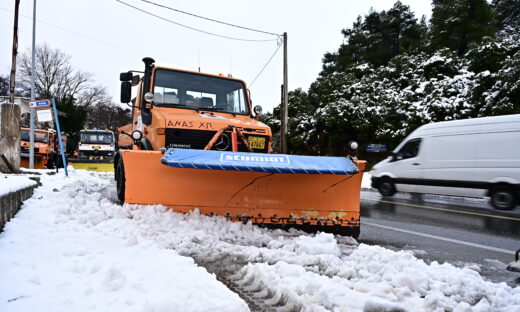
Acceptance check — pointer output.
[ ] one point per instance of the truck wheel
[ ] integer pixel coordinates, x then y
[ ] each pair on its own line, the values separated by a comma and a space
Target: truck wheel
503, 197
120, 180
352, 231
116, 163
50, 163
386, 187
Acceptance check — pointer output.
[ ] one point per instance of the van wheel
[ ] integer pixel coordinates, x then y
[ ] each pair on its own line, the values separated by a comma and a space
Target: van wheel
503, 197
120, 180
386, 187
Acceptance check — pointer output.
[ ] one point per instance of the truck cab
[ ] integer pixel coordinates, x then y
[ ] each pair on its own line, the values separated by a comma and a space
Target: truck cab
98, 145
44, 147
182, 109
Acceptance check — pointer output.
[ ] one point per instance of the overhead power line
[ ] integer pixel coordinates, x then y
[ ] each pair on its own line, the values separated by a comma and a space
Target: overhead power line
209, 19
192, 28
269, 61
96, 39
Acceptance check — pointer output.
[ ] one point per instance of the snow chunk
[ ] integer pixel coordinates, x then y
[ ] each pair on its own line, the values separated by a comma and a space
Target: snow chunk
380, 305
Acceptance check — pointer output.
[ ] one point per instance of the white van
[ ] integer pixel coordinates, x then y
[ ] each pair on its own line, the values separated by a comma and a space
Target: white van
473, 157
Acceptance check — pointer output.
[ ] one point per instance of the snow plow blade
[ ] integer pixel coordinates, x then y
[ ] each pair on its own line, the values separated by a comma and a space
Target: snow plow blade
94, 165
311, 193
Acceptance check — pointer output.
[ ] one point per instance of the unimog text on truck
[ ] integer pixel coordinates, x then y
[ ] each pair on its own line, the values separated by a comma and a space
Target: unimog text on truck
197, 144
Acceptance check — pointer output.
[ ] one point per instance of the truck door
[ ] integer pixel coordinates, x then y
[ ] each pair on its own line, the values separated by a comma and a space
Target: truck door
406, 165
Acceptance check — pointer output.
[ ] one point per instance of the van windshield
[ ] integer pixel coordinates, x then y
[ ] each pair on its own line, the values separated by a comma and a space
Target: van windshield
409, 150
201, 92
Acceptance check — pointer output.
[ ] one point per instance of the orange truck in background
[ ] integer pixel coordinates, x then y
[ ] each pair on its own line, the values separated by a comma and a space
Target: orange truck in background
45, 146
195, 142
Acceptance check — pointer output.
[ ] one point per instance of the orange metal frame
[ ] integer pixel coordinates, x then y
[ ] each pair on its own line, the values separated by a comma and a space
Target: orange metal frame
235, 135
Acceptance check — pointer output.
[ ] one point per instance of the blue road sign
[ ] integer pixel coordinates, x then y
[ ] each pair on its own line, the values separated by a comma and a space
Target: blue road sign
376, 148
42, 103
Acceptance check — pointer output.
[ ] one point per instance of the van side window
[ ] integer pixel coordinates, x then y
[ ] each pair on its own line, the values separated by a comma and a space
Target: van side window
409, 150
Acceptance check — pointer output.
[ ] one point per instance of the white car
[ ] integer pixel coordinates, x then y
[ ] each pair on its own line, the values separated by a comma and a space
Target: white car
473, 158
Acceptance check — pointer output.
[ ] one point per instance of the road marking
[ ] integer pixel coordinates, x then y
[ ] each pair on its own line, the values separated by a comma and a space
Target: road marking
443, 209
451, 240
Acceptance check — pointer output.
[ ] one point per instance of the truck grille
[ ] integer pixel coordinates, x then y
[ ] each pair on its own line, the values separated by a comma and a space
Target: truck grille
24, 149
198, 139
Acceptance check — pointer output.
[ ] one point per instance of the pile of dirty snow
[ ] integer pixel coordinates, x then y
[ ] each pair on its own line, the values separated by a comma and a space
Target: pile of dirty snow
73, 248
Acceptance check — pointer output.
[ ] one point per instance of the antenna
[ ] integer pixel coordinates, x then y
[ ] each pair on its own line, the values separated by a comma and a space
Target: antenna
198, 57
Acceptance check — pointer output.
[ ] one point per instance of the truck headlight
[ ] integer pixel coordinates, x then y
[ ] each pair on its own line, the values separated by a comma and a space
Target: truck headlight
149, 97
137, 135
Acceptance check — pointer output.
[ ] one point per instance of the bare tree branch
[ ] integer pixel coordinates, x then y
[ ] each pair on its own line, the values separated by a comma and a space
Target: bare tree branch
56, 76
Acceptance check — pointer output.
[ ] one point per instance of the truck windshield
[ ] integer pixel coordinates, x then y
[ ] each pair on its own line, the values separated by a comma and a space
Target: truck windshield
97, 138
195, 91
39, 136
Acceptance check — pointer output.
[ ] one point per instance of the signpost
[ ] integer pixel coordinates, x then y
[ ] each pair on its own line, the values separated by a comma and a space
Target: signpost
376, 148
44, 115
39, 104
43, 111
59, 137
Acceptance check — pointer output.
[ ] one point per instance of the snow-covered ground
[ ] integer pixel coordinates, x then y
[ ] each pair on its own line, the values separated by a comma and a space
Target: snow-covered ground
11, 183
73, 248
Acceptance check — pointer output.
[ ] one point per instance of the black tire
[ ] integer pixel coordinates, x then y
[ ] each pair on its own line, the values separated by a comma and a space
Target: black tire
145, 145
353, 232
386, 187
50, 162
120, 180
503, 197
59, 161
116, 162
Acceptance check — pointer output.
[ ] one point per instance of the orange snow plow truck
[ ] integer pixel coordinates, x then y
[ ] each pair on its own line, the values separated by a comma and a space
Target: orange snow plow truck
196, 144
44, 147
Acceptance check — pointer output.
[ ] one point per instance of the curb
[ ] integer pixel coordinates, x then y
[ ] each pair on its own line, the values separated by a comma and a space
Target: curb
11, 203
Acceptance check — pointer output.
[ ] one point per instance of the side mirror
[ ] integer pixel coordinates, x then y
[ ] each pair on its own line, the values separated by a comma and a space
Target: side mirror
126, 76
126, 91
135, 80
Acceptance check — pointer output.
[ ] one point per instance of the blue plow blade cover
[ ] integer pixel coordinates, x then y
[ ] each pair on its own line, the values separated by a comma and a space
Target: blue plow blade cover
272, 163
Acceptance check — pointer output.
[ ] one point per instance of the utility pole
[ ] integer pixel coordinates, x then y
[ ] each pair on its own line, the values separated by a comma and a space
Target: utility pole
12, 79
285, 100
33, 95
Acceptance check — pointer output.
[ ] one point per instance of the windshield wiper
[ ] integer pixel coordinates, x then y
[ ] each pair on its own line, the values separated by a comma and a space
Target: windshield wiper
213, 109
179, 105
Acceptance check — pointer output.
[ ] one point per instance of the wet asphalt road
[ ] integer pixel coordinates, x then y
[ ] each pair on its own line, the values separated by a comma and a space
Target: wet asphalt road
444, 229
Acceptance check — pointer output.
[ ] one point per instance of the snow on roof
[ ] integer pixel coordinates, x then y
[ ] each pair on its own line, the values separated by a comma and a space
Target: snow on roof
472, 121
73, 248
